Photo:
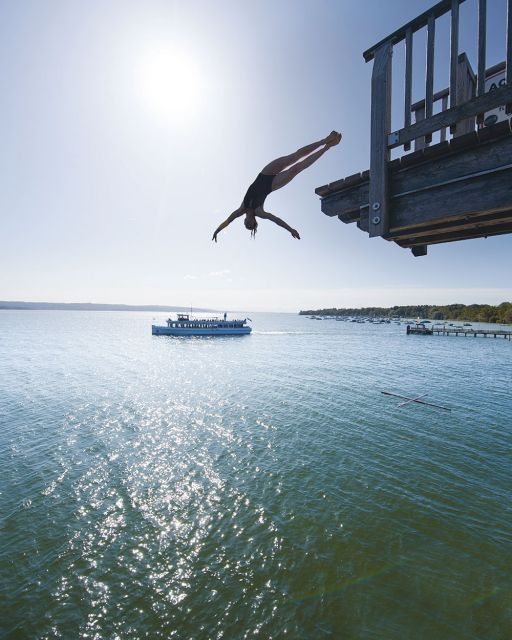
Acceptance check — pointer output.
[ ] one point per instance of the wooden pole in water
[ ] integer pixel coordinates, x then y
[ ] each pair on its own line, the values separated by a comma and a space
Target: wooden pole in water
412, 400
430, 404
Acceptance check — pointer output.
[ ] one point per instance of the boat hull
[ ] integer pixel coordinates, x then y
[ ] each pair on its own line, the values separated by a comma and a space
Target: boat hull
199, 331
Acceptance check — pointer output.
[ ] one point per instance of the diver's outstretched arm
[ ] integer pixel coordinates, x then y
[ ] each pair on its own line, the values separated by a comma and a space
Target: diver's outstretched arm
236, 214
281, 223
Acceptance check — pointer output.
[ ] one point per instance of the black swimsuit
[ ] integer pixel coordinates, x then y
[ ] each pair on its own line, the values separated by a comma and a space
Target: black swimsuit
258, 191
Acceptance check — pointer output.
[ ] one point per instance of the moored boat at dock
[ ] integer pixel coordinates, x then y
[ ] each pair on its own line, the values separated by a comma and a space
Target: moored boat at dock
186, 325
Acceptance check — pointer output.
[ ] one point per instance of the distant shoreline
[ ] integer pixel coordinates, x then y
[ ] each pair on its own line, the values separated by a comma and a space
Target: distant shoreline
86, 306
500, 314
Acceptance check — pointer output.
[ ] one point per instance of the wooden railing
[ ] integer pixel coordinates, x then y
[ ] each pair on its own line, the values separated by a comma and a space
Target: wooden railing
459, 105
466, 89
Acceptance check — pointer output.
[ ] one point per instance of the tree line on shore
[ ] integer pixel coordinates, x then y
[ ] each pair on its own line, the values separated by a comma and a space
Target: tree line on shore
501, 314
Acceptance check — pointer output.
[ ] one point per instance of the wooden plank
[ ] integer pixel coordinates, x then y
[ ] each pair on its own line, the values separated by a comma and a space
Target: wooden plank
451, 165
323, 190
439, 95
480, 104
364, 222
346, 203
495, 131
487, 193
402, 404
454, 57
482, 33
454, 52
466, 141
454, 236
509, 51
408, 81
429, 76
431, 404
350, 216
482, 26
414, 25
419, 250
466, 90
379, 151
420, 143
444, 106
429, 82
450, 225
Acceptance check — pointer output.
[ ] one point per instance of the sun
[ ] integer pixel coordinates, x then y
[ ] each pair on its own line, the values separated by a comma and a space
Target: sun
171, 84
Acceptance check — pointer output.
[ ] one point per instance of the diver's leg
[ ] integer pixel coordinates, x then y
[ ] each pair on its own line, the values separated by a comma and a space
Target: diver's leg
280, 164
284, 177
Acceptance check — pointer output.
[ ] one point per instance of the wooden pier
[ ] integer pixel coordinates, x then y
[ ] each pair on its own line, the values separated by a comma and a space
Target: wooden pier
457, 189
458, 331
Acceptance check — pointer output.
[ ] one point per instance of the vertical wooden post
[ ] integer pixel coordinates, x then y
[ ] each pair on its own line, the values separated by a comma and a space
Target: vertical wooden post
429, 85
454, 56
508, 76
482, 32
380, 129
419, 143
408, 82
444, 107
466, 89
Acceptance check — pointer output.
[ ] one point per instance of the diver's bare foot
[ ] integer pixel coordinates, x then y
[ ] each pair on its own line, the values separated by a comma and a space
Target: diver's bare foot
333, 139
328, 139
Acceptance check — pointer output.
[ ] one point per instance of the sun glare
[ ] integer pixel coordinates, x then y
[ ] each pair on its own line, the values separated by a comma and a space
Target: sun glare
171, 84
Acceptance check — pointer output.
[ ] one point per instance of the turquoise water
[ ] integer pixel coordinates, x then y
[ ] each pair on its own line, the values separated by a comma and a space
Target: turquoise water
252, 487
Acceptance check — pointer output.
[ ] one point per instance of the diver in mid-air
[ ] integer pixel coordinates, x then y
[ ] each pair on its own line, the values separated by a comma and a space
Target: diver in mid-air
273, 176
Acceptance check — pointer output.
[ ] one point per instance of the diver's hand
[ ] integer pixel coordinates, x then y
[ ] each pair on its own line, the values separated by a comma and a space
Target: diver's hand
214, 237
295, 234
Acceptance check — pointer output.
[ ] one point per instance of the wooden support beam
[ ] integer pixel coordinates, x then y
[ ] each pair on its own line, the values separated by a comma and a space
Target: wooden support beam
420, 143
419, 251
454, 226
482, 37
408, 81
455, 236
508, 58
429, 76
444, 106
486, 193
454, 164
454, 56
346, 204
466, 90
439, 95
480, 104
380, 128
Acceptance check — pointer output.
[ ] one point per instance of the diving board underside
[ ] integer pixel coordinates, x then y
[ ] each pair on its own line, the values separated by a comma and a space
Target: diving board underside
450, 191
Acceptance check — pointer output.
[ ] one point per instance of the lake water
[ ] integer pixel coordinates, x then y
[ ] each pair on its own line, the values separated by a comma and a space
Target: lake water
252, 487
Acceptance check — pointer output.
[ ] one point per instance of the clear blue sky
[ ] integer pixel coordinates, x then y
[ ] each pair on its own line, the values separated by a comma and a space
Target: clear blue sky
130, 130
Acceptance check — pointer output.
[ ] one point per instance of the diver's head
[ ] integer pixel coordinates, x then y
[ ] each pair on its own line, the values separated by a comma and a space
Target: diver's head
251, 223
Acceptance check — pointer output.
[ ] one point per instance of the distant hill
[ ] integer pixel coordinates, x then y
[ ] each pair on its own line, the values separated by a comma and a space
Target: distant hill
87, 306
501, 313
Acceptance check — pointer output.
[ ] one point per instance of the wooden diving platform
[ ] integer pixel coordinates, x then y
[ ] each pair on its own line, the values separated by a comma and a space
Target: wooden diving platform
457, 189
456, 331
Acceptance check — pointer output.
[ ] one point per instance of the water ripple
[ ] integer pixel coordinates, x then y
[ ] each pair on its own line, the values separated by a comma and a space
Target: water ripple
257, 487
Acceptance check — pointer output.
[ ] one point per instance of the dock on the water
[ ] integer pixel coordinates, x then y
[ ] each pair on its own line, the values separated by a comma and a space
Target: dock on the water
458, 331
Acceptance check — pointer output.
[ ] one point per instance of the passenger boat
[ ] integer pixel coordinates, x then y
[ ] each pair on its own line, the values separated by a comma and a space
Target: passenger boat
186, 325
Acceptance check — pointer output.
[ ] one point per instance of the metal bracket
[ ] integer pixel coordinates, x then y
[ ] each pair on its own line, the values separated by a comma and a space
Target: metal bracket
393, 138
